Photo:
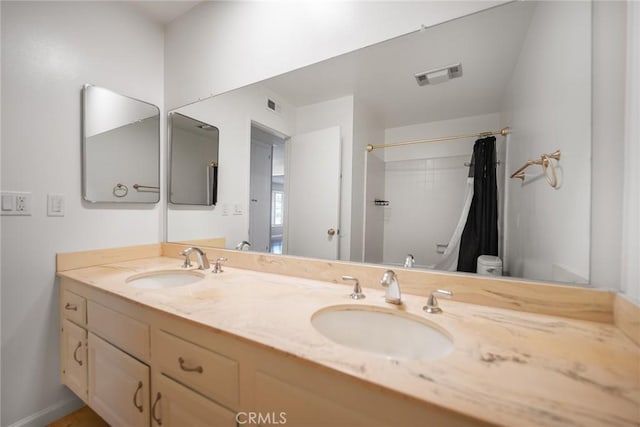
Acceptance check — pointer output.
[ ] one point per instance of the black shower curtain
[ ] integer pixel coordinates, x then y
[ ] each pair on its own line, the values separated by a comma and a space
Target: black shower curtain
480, 234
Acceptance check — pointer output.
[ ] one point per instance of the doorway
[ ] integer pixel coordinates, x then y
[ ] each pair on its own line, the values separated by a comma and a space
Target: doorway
267, 201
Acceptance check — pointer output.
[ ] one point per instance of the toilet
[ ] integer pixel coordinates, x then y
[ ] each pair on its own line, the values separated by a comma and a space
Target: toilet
489, 265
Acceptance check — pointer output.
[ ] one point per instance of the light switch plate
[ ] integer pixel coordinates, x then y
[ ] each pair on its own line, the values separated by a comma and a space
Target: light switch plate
55, 204
7, 202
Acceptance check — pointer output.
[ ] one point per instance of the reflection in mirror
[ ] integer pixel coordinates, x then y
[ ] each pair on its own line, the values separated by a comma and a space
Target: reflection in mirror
193, 167
266, 204
120, 148
407, 203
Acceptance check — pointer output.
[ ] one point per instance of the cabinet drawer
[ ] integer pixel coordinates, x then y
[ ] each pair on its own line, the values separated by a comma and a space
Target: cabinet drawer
210, 373
74, 307
130, 335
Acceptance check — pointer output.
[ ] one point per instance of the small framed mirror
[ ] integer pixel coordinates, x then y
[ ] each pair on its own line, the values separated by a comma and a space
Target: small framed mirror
193, 164
120, 148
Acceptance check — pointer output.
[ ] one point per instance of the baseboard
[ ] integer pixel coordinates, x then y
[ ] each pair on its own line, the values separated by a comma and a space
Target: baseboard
626, 314
50, 413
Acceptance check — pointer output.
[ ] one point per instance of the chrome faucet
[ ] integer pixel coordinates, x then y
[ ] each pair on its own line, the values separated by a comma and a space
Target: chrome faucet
409, 261
203, 261
244, 244
217, 267
390, 282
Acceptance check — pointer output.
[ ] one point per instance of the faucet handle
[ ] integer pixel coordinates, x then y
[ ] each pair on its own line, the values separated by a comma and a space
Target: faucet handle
187, 259
409, 261
432, 303
357, 290
217, 267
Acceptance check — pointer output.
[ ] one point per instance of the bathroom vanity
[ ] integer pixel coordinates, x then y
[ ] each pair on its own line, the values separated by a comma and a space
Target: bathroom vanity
239, 347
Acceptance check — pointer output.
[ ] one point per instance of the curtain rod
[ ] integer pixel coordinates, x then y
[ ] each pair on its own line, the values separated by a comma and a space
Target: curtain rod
504, 132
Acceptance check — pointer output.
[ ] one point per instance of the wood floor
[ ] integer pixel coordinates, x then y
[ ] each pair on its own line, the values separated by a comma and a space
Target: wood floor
83, 417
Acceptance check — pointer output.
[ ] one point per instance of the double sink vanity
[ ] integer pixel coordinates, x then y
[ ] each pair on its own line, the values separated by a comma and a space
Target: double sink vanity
279, 340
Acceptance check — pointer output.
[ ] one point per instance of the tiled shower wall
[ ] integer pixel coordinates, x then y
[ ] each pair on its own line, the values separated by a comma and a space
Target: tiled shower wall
425, 197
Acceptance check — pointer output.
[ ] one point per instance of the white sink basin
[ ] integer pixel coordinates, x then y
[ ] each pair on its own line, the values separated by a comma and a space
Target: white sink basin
165, 279
382, 332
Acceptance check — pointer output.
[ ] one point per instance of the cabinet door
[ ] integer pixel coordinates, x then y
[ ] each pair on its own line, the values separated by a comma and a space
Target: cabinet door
177, 406
74, 358
118, 385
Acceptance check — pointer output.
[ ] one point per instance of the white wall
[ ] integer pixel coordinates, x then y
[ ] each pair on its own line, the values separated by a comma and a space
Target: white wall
609, 85
49, 50
631, 208
336, 112
426, 184
548, 230
230, 44
232, 113
0, 224
374, 215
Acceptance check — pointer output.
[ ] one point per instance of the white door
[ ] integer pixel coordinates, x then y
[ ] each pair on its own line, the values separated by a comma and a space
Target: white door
260, 202
313, 194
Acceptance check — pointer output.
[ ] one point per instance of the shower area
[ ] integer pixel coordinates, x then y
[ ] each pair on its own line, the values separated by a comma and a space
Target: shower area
419, 198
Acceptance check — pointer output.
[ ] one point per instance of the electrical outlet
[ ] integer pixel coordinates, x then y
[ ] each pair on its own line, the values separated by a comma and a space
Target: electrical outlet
16, 203
21, 204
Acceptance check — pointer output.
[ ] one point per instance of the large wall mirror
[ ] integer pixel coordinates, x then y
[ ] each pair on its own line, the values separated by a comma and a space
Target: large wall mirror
297, 178
120, 148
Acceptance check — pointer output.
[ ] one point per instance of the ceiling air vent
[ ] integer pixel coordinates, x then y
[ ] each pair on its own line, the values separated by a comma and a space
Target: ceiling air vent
439, 75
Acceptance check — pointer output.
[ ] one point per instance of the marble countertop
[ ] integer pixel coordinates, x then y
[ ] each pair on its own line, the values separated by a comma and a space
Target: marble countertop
507, 367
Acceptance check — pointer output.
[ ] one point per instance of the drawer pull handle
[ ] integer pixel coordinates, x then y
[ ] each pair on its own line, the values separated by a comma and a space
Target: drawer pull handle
75, 353
158, 420
135, 397
69, 306
197, 369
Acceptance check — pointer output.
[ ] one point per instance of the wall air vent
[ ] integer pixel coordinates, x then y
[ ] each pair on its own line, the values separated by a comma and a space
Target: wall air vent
439, 75
273, 106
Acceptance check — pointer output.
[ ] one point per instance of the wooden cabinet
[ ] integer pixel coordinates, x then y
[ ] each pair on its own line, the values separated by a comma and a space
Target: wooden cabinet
140, 366
118, 385
74, 358
278, 401
108, 360
177, 406
313, 396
